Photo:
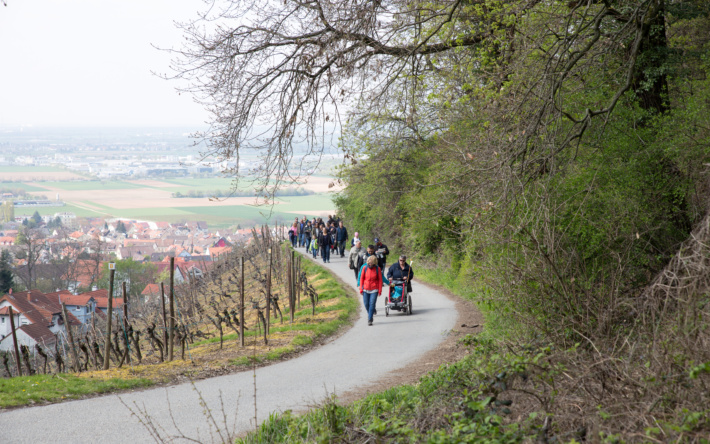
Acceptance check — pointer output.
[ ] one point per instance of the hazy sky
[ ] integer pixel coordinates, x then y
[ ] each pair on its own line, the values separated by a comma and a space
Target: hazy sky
89, 63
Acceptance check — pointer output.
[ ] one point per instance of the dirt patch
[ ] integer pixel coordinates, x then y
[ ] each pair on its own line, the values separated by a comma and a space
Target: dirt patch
322, 214
321, 184
469, 320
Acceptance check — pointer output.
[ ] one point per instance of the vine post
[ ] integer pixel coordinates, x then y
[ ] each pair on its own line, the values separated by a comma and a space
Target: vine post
107, 339
70, 335
241, 301
171, 296
14, 341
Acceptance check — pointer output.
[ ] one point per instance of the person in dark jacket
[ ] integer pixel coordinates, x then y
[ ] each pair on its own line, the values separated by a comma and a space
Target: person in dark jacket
308, 233
381, 251
333, 231
401, 271
325, 241
341, 235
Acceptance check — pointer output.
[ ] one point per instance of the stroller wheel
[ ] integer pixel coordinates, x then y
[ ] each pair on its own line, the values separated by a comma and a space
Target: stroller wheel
409, 306
387, 311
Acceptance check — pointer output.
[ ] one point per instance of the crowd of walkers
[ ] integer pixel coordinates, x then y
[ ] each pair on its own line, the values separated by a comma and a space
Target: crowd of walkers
328, 237
319, 237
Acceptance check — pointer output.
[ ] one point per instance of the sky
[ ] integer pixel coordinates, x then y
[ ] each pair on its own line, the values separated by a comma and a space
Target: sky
88, 63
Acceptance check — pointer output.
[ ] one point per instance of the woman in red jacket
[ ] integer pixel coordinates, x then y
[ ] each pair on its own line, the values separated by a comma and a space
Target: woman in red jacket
370, 286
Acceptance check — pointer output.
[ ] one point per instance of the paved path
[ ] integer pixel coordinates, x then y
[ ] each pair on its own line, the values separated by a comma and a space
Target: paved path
355, 359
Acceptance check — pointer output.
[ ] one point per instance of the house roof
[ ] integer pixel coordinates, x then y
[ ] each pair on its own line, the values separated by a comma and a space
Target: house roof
38, 333
103, 302
151, 289
20, 303
100, 293
101, 298
76, 299
38, 307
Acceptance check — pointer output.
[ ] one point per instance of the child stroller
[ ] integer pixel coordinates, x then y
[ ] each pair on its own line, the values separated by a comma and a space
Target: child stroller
398, 298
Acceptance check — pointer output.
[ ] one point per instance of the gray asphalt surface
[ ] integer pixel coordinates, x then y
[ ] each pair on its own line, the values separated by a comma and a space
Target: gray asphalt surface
357, 358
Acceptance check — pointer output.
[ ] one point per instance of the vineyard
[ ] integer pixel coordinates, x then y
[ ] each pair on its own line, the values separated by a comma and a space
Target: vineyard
256, 304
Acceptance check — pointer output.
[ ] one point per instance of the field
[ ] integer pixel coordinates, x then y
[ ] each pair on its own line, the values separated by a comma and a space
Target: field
152, 199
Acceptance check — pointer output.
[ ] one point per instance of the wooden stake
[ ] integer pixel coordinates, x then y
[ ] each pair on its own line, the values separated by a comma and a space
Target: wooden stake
171, 298
96, 339
107, 339
14, 341
125, 321
241, 302
291, 307
165, 322
268, 291
70, 335
298, 280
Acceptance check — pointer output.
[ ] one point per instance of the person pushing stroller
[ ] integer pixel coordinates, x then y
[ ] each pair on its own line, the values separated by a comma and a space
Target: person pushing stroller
401, 271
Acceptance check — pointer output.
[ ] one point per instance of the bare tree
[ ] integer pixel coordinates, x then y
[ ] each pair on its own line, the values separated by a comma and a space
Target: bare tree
32, 243
275, 74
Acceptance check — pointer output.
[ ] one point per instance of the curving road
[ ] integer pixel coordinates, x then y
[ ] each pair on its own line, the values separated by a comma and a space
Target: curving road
355, 359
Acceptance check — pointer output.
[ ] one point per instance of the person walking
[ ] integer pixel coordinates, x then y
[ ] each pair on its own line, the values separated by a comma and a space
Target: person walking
293, 234
356, 238
307, 234
355, 253
370, 286
341, 235
362, 259
382, 251
333, 232
301, 232
314, 247
401, 271
325, 241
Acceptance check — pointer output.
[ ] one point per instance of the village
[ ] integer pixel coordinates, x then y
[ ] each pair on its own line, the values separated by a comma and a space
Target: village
47, 261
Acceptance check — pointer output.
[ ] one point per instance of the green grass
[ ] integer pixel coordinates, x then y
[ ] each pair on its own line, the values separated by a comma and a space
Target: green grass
24, 390
347, 306
80, 212
20, 185
499, 324
83, 185
273, 355
464, 393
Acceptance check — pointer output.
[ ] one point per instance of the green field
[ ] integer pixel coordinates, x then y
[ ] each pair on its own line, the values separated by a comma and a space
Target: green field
82, 185
80, 212
20, 185
219, 215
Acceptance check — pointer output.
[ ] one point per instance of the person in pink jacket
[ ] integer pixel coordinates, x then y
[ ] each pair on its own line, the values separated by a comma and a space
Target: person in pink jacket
370, 286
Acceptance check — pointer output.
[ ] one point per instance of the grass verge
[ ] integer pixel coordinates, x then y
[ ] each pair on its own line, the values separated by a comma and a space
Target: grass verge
333, 311
27, 390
